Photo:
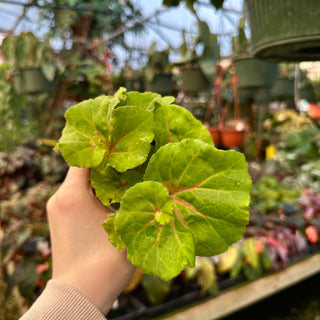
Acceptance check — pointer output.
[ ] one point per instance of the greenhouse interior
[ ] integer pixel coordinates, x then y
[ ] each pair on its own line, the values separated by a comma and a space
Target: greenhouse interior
95, 95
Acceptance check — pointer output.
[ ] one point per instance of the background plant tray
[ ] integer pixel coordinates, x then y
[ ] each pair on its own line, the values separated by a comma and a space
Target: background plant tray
235, 294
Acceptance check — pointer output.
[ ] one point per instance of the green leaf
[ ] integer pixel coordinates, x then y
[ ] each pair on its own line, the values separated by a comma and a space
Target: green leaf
83, 140
156, 289
130, 137
174, 123
156, 241
194, 198
144, 100
113, 235
165, 100
95, 132
111, 185
252, 257
210, 189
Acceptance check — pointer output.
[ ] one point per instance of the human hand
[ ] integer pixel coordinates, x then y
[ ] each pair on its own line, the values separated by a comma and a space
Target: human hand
81, 253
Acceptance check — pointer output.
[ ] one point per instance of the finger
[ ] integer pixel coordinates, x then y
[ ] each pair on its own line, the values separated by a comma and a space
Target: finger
78, 178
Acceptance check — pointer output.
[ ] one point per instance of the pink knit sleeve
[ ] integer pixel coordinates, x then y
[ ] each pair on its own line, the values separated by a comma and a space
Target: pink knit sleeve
61, 301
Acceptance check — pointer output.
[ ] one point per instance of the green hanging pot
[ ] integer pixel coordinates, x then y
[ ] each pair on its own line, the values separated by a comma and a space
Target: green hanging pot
193, 79
283, 88
286, 30
134, 84
31, 81
161, 83
259, 95
254, 73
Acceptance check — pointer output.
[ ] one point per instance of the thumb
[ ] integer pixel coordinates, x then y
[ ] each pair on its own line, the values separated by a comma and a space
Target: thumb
78, 178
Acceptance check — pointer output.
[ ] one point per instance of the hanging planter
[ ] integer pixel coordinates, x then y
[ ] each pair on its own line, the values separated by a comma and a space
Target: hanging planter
286, 30
227, 136
161, 83
157, 75
193, 79
31, 61
134, 84
283, 88
196, 66
254, 73
31, 81
232, 137
216, 135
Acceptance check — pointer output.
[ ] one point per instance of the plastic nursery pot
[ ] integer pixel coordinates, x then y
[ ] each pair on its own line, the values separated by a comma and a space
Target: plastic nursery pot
232, 137
216, 135
286, 30
283, 87
134, 85
254, 73
31, 81
161, 83
259, 95
193, 79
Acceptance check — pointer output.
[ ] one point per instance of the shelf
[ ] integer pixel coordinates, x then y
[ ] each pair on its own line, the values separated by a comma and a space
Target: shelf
243, 295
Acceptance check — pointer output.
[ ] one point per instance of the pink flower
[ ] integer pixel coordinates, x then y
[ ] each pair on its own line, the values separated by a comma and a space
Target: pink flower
42, 267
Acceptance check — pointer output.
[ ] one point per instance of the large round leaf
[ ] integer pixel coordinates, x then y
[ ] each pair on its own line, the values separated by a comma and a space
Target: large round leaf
156, 241
210, 189
174, 123
131, 135
84, 137
97, 133
144, 100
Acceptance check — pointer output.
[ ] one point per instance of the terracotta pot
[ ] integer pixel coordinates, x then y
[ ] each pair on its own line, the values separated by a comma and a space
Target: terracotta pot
216, 136
231, 137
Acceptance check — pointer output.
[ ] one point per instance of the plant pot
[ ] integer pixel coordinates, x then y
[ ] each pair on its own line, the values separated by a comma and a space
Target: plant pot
286, 30
283, 88
259, 95
216, 135
254, 73
31, 81
193, 80
232, 138
161, 83
134, 85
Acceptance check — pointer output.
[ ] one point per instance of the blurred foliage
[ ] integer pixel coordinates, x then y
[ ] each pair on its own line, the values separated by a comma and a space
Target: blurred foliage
269, 195
28, 177
107, 17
